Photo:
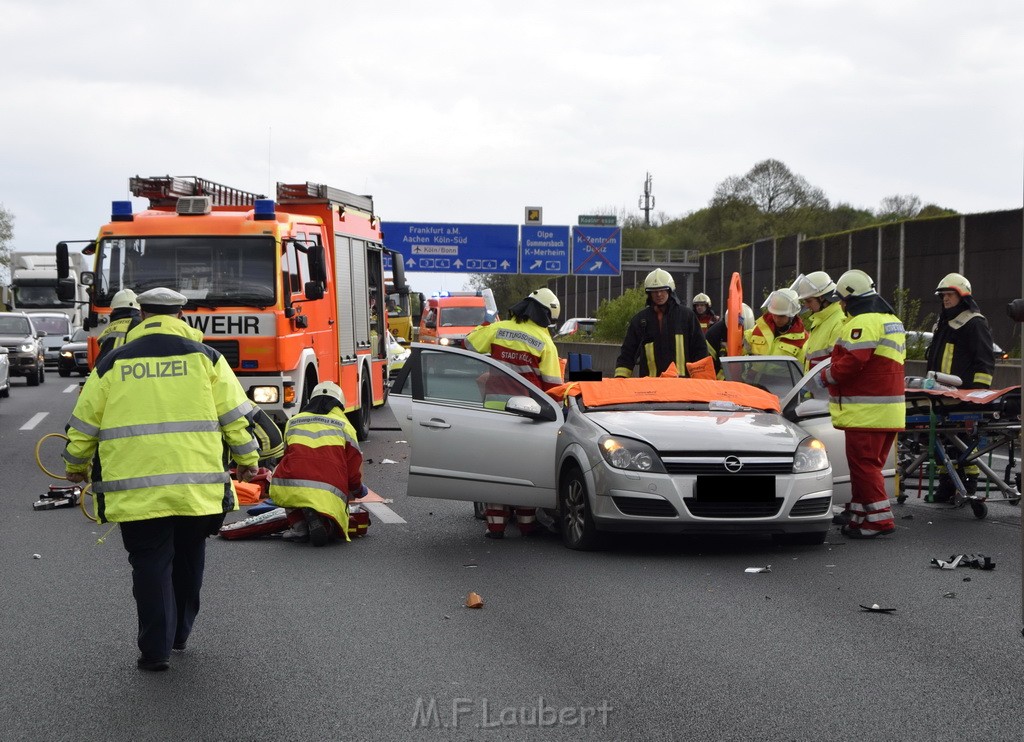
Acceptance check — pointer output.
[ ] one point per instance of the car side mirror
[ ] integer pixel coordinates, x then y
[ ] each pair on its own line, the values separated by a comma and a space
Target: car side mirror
529, 407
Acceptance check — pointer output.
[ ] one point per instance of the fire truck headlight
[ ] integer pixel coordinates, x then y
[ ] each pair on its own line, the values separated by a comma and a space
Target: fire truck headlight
265, 394
444, 341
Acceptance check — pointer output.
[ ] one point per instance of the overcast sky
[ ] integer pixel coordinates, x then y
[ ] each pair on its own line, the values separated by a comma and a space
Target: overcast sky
471, 111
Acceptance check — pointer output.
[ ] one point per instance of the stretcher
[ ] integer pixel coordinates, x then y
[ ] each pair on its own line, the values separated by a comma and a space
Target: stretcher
951, 429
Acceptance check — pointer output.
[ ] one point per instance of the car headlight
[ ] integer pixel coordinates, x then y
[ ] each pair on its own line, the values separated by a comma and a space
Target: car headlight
444, 341
628, 454
810, 456
66, 354
27, 347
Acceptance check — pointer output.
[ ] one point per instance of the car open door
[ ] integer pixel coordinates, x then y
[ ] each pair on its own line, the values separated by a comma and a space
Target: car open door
464, 443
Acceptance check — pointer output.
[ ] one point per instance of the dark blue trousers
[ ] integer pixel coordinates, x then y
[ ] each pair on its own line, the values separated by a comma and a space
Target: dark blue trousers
168, 556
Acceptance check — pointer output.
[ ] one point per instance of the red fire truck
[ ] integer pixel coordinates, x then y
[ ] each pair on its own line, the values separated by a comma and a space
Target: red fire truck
290, 291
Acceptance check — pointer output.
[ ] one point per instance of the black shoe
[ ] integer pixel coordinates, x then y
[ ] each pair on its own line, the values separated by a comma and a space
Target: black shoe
494, 534
153, 665
841, 519
857, 534
180, 646
318, 535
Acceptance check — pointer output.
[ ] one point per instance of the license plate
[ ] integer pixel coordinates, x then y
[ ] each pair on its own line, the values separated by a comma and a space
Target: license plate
726, 488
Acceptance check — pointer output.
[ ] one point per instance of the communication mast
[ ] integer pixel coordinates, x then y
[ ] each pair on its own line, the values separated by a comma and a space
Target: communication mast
646, 202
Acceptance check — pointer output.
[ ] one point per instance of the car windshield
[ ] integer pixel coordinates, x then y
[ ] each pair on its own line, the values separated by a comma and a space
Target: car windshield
666, 393
462, 316
13, 325
773, 374
80, 336
53, 325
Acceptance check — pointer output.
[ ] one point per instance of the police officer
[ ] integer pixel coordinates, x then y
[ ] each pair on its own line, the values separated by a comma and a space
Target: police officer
779, 331
524, 344
826, 317
961, 339
158, 409
322, 467
662, 333
865, 386
702, 308
124, 315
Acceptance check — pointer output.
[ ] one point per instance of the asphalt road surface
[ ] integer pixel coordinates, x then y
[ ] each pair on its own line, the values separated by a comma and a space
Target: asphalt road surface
654, 638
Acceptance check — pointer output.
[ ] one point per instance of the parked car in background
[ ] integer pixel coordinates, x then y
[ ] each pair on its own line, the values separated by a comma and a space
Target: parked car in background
57, 327
5, 376
922, 340
397, 354
74, 354
24, 345
583, 326
652, 455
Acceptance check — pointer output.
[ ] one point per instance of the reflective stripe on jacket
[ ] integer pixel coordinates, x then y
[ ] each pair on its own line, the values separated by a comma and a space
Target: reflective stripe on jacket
866, 376
114, 335
823, 331
159, 409
525, 347
321, 468
765, 342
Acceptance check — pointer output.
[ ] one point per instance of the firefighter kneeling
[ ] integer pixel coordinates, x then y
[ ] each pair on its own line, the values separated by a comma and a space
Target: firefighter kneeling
321, 470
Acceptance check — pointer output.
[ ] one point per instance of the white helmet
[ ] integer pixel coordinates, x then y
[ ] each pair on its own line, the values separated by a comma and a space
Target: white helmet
814, 285
954, 282
659, 279
547, 299
328, 389
702, 299
746, 314
854, 283
784, 302
124, 299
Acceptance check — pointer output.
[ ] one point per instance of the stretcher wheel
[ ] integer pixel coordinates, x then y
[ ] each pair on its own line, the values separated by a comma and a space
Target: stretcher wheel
980, 509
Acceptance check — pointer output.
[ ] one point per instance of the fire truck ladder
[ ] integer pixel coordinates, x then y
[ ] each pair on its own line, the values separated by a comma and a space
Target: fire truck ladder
165, 190
311, 193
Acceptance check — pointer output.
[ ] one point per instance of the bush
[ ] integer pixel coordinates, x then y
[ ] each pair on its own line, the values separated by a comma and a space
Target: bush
613, 316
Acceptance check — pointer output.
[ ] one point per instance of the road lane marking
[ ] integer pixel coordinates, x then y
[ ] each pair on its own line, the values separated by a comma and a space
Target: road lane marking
34, 421
383, 512
72, 388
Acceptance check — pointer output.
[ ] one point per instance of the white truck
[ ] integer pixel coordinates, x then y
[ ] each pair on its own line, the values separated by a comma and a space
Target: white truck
33, 286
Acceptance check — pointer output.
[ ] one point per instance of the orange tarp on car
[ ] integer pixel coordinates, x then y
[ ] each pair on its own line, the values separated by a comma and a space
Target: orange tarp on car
665, 389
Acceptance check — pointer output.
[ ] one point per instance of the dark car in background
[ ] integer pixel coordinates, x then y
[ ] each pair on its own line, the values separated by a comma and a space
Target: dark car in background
74, 354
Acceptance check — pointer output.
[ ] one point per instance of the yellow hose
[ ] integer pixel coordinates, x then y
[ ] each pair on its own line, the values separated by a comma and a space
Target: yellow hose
86, 490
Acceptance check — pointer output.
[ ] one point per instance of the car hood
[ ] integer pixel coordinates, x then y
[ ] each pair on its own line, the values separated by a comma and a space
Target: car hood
74, 346
670, 430
15, 339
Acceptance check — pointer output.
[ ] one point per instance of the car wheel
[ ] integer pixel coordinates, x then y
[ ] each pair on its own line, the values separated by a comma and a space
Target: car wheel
33, 378
816, 538
42, 374
6, 391
63, 372
578, 529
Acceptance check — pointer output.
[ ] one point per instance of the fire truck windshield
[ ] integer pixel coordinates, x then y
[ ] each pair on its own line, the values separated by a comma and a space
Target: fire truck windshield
210, 271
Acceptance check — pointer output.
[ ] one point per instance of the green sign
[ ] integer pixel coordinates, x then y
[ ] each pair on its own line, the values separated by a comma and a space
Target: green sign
597, 220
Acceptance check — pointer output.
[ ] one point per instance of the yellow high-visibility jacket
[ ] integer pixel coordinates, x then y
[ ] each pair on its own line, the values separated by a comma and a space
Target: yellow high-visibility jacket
159, 409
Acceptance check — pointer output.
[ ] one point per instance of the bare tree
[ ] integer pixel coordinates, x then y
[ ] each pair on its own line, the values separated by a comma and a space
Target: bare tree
898, 206
772, 188
6, 235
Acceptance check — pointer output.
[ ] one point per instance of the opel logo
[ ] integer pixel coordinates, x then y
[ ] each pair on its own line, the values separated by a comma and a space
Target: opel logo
733, 464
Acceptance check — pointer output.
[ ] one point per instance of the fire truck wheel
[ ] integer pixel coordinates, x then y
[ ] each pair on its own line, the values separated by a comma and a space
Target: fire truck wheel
360, 418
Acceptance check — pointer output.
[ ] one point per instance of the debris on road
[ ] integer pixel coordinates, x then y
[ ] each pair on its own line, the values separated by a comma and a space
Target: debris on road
759, 570
974, 561
875, 608
474, 601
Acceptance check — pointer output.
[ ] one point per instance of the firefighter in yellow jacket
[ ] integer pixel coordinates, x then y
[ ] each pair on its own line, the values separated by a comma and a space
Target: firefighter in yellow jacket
124, 316
779, 331
159, 409
826, 318
322, 468
524, 344
866, 400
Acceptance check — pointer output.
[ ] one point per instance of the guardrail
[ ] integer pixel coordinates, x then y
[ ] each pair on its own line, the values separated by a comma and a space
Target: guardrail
664, 258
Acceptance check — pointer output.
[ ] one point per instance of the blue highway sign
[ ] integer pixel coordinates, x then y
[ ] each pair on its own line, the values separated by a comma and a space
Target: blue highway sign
455, 248
544, 250
596, 251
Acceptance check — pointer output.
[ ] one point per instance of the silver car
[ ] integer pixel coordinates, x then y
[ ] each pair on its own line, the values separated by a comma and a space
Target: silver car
707, 465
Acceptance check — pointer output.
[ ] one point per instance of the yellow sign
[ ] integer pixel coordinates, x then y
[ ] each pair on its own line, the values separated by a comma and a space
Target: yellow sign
534, 215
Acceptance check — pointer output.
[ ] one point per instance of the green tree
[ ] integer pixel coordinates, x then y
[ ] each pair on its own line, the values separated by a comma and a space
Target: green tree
613, 315
781, 198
